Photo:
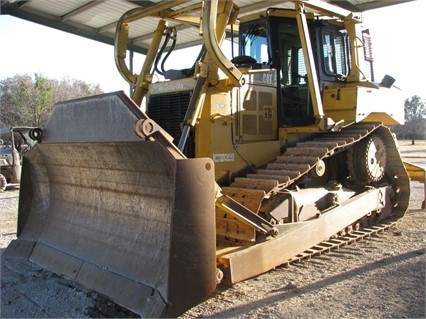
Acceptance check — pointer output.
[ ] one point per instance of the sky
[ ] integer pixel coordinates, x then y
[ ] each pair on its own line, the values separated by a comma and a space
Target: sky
399, 48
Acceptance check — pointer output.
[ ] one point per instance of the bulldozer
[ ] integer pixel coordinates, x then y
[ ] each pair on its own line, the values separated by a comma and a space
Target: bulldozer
238, 165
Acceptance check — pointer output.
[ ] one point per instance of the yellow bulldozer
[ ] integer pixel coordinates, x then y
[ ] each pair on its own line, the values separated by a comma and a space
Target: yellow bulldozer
239, 164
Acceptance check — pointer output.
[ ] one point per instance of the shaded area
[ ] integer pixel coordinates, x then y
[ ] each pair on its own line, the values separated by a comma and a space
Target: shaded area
401, 273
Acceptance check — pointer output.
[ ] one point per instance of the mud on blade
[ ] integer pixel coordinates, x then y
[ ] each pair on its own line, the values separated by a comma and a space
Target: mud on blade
126, 216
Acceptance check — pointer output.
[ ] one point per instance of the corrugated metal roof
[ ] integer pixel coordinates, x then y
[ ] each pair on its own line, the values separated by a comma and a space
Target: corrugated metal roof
97, 19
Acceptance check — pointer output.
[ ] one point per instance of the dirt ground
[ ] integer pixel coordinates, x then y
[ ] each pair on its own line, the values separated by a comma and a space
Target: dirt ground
380, 277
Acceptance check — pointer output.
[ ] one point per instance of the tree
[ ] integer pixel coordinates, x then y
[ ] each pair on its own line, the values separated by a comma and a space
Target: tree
28, 101
43, 99
415, 115
15, 98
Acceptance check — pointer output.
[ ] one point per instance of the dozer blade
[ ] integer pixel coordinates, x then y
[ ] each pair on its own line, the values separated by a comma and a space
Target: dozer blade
127, 216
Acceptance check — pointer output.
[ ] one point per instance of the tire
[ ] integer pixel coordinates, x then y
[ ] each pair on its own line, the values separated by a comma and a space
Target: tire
3, 183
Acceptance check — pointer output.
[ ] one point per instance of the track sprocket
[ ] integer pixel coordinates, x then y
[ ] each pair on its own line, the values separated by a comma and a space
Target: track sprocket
367, 160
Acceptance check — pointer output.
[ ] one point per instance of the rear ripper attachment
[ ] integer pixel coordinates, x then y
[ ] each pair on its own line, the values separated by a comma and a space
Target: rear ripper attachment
127, 216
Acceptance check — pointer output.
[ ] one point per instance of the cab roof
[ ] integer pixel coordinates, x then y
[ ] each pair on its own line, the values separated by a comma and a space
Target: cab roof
97, 19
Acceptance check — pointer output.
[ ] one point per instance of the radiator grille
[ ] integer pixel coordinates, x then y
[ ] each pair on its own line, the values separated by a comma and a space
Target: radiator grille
168, 110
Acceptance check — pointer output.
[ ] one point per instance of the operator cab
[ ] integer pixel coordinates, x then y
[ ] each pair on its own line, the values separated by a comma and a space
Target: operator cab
274, 42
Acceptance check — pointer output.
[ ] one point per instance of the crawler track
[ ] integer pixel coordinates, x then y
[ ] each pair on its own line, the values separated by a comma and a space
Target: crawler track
336, 243
257, 191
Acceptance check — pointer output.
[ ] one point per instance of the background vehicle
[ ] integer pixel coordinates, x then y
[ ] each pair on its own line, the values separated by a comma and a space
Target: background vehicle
238, 166
14, 142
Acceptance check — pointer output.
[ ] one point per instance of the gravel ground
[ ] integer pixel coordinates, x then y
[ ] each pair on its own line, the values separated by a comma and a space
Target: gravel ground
380, 277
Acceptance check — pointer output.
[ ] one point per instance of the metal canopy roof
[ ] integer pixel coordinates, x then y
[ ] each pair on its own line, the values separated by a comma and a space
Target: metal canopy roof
97, 19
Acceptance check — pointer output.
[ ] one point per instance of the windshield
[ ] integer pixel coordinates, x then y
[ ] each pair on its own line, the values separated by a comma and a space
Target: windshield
254, 42
335, 52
